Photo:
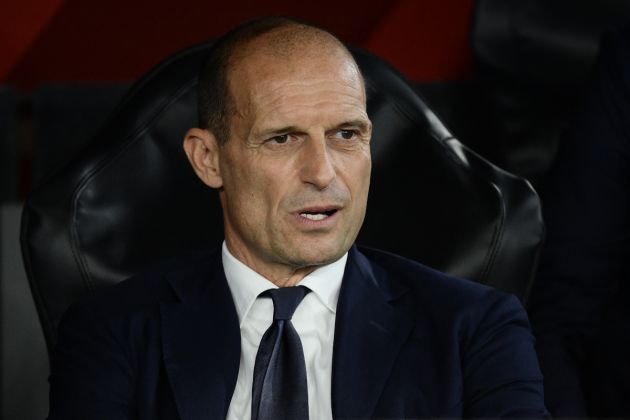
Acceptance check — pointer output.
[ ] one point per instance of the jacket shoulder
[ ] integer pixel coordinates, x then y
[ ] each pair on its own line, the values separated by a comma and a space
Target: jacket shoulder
424, 280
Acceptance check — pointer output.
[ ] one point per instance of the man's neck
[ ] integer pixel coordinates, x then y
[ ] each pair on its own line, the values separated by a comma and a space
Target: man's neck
279, 274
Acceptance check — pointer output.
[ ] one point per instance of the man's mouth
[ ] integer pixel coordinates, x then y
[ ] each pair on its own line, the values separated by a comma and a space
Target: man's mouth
317, 214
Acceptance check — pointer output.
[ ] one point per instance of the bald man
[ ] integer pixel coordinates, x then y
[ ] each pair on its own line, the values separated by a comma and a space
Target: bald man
289, 320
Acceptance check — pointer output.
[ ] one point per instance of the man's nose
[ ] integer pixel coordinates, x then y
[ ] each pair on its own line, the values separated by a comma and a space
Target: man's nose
317, 163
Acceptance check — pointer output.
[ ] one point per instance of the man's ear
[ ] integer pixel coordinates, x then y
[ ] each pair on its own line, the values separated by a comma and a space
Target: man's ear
202, 149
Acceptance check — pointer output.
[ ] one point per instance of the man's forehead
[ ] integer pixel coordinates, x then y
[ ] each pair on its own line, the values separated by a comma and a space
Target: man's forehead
280, 66
308, 51
299, 71
263, 74
300, 102
278, 90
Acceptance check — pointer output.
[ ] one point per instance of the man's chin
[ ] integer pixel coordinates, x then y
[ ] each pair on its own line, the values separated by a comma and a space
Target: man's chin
315, 258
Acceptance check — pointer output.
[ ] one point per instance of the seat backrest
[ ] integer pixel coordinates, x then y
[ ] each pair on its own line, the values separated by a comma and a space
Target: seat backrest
64, 116
131, 198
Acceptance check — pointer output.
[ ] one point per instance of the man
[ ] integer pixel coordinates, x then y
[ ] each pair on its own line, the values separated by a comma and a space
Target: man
284, 136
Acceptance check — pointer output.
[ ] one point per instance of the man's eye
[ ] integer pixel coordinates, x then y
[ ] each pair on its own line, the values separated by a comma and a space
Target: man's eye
280, 139
346, 134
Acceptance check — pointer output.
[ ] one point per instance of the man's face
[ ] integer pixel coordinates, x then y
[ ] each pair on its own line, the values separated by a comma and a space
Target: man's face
296, 168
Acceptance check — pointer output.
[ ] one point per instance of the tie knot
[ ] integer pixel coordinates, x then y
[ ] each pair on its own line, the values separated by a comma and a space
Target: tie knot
286, 300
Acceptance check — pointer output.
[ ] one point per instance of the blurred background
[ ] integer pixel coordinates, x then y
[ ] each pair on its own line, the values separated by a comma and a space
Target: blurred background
503, 75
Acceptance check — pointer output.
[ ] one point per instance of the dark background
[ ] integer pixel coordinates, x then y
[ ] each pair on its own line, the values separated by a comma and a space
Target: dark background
47, 41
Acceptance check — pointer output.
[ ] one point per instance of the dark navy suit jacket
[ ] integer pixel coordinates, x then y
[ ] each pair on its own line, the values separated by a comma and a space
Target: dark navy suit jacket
409, 342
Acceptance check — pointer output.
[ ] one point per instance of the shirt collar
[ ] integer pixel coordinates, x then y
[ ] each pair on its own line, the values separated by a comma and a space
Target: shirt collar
246, 284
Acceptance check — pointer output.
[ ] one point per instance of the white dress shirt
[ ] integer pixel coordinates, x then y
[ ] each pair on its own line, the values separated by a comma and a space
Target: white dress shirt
314, 321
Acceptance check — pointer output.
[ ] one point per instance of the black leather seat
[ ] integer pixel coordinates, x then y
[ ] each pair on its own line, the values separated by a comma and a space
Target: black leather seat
131, 199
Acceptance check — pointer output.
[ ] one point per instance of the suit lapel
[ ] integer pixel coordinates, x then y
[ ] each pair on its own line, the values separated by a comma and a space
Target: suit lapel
369, 333
201, 341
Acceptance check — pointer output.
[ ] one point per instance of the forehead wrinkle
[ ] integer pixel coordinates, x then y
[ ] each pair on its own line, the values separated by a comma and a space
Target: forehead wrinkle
307, 122
285, 99
328, 80
280, 107
310, 73
282, 93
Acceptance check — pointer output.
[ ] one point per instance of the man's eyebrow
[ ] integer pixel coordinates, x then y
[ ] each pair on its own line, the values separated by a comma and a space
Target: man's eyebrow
362, 125
271, 132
